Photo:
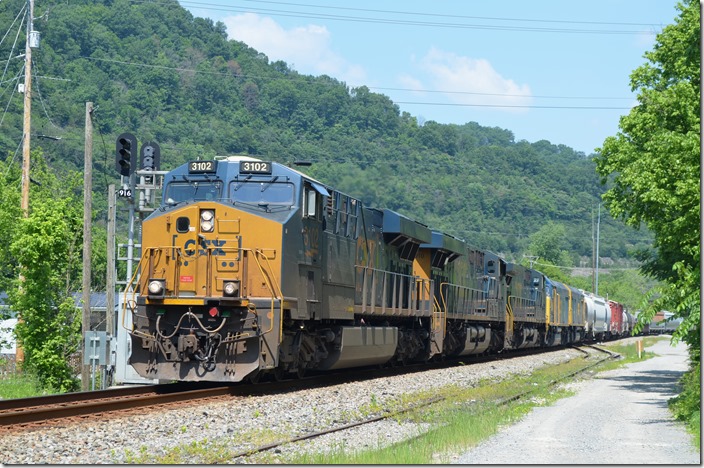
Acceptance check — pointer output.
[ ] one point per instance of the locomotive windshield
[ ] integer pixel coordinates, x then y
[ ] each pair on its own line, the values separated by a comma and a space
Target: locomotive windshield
184, 191
268, 192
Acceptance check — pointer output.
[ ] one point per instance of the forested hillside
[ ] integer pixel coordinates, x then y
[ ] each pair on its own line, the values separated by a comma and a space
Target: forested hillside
156, 71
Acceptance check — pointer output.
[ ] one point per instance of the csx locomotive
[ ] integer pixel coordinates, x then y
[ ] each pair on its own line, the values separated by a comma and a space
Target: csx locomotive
251, 268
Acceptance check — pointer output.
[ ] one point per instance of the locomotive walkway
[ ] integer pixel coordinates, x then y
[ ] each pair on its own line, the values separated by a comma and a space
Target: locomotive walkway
619, 417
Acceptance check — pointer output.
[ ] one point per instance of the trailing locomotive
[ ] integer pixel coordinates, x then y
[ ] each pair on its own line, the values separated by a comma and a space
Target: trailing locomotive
250, 268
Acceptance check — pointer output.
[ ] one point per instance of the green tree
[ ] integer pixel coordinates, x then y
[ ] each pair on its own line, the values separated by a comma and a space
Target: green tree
9, 213
547, 244
653, 164
47, 244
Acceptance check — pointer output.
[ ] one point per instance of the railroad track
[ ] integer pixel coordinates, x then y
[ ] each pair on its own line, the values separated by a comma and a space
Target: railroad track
38, 412
30, 413
391, 414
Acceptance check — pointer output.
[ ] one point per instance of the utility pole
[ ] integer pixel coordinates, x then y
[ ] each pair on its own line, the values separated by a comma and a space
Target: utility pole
27, 111
531, 259
87, 236
598, 222
593, 253
26, 131
110, 275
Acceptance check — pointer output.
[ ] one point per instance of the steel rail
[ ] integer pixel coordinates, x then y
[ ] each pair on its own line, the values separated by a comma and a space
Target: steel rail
16, 413
60, 408
313, 435
552, 383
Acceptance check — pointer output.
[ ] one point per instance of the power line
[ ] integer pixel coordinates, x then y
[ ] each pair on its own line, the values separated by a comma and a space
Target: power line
446, 15
313, 15
498, 94
586, 268
22, 10
9, 101
41, 99
528, 106
14, 44
302, 78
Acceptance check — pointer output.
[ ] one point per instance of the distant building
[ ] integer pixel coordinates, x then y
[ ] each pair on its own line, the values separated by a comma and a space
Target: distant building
8, 345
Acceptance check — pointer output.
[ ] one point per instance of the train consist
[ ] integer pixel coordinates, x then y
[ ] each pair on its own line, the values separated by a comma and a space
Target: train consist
251, 268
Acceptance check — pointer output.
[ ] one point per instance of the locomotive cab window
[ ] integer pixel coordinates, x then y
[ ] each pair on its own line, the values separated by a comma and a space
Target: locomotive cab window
313, 196
192, 190
258, 192
312, 203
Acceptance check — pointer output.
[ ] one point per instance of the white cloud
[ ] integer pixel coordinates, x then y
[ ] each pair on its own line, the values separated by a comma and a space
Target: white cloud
307, 49
410, 82
473, 81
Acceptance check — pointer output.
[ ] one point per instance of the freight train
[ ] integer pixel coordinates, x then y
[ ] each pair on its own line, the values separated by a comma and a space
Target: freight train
250, 268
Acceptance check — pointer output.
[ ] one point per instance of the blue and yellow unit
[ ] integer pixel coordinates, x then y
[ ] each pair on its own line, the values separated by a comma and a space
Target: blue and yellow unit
250, 268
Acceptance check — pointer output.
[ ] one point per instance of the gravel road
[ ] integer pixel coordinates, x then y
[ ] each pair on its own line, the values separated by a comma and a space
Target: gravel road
620, 417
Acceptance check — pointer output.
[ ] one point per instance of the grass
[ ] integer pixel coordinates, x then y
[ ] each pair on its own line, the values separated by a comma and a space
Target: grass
629, 353
16, 384
687, 405
468, 415
476, 419
203, 452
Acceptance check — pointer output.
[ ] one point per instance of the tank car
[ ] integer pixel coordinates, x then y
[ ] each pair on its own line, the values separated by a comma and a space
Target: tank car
629, 321
663, 322
598, 315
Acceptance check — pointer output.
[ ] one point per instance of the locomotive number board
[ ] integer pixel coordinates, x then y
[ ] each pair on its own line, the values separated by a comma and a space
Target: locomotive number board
202, 167
255, 167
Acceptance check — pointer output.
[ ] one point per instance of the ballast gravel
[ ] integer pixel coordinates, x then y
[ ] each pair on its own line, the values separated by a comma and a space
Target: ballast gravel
251, 422
197, 434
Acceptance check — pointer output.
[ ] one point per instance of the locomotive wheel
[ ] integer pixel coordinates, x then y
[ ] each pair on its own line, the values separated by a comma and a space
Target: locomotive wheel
279, 374
256, 377
300, 372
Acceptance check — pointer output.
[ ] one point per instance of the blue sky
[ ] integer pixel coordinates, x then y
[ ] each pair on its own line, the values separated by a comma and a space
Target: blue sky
545, 69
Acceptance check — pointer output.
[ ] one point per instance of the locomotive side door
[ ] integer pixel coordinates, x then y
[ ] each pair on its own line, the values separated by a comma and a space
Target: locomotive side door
310, 272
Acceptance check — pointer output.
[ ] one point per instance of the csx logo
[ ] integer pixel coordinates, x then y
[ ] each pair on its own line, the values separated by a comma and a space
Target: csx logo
189, 247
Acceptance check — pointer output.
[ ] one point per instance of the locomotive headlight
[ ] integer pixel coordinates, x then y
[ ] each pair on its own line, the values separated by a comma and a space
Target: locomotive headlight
206, 226
231, 288
156, 287
206, 220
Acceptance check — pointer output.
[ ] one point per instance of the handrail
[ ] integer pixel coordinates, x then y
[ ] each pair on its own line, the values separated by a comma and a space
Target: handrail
399, 293
147, 254
128, 288
477, 297
524, 304
273, 297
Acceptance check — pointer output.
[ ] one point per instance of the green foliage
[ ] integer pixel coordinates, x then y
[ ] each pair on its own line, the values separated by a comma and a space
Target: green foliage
546, 243
10, 212
687, 405
15, 384
47, 246
199, 94
653, 164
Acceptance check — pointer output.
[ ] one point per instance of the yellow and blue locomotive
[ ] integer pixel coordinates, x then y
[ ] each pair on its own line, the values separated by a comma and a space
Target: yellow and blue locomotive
250, 268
